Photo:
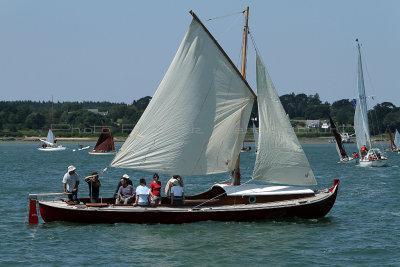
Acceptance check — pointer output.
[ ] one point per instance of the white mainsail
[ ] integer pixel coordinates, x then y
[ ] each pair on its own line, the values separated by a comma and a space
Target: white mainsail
255, 133
49, 139
280, 158
197, 119
361, 126
397, 139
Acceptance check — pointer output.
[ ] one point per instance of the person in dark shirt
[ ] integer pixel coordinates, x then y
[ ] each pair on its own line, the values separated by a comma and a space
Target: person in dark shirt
94, 187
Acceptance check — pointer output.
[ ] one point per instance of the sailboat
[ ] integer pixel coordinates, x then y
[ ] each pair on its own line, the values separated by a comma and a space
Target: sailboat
163, 140
369, 156
50, 143
105, 143
339, 143
393, 146
397, 141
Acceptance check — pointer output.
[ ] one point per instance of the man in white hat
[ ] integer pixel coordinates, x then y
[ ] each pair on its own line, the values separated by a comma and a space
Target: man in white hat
71, 183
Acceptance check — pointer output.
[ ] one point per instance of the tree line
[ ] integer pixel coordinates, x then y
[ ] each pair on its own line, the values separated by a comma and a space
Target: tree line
22, 116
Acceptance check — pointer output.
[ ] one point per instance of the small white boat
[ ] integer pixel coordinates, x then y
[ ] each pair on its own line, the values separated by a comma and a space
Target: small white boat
50, 143
374, 158
80, 148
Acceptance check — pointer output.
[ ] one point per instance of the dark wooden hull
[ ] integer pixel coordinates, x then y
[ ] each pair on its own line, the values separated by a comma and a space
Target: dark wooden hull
309, 208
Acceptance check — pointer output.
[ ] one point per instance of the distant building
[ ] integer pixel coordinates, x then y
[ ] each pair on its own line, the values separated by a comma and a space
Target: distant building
312, 123
96, 111
325, 125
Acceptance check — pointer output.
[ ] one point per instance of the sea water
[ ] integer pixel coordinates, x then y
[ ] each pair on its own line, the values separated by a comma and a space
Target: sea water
363, 228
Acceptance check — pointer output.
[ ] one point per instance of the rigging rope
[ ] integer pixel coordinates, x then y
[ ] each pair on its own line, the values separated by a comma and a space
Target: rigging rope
226, 15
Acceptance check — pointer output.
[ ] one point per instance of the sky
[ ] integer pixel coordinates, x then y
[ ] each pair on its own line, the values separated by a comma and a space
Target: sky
119, 51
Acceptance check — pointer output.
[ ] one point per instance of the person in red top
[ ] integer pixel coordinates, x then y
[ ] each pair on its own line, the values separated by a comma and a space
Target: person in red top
155, 190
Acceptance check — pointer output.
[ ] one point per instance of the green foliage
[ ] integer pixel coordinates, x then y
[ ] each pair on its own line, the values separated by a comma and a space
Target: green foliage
22, 116
74, 118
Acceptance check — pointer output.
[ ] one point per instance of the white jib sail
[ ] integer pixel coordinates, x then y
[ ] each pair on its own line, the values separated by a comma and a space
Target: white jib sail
197, 119
280, 158
397, 139
361, 126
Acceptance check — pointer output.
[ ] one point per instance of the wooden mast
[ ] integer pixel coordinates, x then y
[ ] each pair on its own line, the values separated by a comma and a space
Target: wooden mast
236, 171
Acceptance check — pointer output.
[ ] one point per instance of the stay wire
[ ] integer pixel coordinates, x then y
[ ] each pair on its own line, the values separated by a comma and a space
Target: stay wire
224, 16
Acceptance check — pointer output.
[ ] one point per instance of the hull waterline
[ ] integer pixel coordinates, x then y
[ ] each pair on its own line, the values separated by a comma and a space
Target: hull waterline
52, 149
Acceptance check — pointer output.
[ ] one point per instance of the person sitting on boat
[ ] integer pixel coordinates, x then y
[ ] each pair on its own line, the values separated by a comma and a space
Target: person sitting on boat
155, 190
125, 193
71, 183
94, 187
129, 181
355, 155
177, 195
142, 194
170, 181
364, 151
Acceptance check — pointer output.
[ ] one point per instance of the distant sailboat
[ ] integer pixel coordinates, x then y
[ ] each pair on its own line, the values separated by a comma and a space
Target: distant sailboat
369, 156
397, 141
393, 146
50, 143
339, 143
105, 143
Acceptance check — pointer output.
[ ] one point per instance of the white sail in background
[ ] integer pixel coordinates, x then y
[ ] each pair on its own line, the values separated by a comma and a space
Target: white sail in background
397, 139
197, 119
361, 126
50, 138
280, 158
255, 133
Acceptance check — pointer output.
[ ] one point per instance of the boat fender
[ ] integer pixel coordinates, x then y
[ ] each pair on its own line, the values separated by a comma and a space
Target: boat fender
252, 199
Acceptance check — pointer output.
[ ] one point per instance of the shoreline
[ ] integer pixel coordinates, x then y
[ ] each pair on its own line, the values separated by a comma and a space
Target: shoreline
314, 140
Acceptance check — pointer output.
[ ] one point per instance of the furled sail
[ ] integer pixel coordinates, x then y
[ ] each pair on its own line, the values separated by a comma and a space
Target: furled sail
361, 126
197, 119
280, 158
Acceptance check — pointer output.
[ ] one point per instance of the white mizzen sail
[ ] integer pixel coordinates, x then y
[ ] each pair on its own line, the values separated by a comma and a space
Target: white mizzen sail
280, 157
361, 126
397, 139
197, 119
255, 133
